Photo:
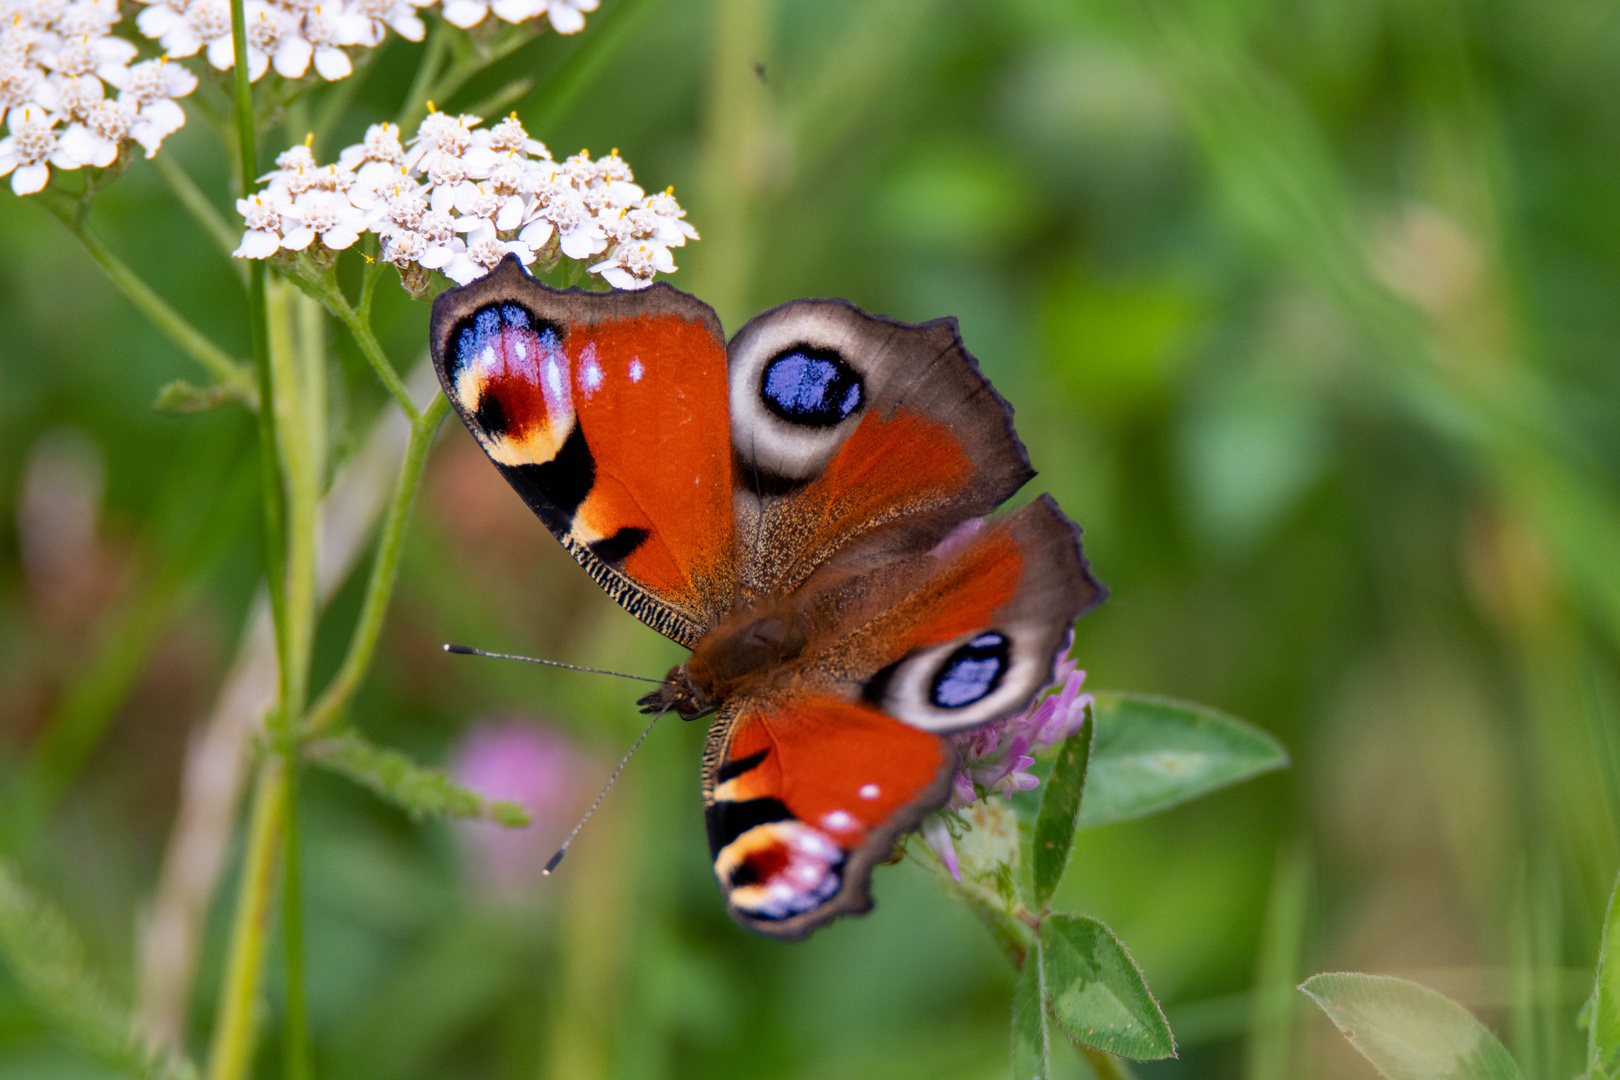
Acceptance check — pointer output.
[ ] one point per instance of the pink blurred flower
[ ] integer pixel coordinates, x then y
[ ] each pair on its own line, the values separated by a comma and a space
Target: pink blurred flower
997, 757
523, 762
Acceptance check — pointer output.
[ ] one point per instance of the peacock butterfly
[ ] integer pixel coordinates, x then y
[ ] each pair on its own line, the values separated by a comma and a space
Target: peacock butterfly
803, 509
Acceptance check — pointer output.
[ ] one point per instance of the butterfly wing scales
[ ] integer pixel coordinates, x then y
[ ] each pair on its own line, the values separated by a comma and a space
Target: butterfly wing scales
599, 410
856, 434
802, 796
808, 783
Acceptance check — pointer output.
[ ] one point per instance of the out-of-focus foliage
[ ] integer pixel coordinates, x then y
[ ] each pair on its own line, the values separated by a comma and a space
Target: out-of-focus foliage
1307, 309
1408, 1031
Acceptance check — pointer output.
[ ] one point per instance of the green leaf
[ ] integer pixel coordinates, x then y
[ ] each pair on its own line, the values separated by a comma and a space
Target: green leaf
1410, 1032
1031, 1042
1060, 811
1603, 1010
1097, 992
418, 790
48, 961
1150, 753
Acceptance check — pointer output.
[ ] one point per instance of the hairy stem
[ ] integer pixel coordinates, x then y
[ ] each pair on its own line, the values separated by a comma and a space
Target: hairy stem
384, 571
202, 209
323, 286
295, 1038
191, 341
427, 71
233, 1032
232, 1050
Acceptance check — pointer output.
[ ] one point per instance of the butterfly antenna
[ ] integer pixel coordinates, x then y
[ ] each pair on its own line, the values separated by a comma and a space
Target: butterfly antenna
551, 864
468, 650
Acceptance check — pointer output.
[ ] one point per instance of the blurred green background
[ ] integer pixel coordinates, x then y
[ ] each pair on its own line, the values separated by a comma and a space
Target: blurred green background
1308, 309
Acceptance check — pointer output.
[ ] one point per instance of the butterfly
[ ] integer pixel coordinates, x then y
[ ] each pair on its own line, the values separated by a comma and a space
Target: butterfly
802, 508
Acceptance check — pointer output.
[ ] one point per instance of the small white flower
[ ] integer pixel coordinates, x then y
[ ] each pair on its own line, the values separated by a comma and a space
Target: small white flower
322, 215
75, 97
329, 25
633, 264
568, 16
399, 14
263, 236
151, 87
105, 57
162, 17
403, 246
516, 11
440, 135
378, 158
509, 137
578, 231
31, 144
483, 252
205, 23
95, 18
95, 140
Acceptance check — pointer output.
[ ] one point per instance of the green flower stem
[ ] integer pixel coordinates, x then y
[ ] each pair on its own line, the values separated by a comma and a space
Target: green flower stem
322, 285
1106, 1065
191, 341
368, 284
390, 545
508, 43
232, 1048
202, 209
1015, 932
427, 71
298, 365
587, 61
296, 1033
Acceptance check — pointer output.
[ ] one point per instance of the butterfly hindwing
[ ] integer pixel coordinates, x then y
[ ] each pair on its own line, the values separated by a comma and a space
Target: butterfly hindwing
808, 784
802, 796
600, 410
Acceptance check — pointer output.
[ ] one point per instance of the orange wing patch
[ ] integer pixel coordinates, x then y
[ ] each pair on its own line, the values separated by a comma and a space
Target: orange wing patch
889, 468
804, 788
650, 394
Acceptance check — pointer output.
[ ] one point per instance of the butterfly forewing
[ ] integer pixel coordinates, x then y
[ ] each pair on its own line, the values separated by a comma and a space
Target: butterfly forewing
600, 409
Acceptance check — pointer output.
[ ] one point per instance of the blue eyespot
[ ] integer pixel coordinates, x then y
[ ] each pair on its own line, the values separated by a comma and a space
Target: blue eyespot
487, 338
972, 672
813, 387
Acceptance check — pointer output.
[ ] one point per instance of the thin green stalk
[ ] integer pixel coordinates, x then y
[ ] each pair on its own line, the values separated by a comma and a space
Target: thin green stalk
190, 340
514, 39
232, 1048
302, 494
585, 63
296, 1033
297, 359
427, 70
368, 283
384, 571
1106, 1065
200, 207
322, 285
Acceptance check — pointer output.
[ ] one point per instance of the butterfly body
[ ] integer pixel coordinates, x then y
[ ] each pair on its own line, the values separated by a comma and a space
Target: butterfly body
803, 508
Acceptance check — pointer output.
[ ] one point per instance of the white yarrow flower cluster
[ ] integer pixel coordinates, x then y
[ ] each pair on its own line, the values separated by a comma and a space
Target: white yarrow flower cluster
59, 65
290, 35
459, 198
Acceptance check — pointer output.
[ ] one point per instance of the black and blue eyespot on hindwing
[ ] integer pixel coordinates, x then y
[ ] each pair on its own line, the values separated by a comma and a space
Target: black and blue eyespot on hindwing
971, 673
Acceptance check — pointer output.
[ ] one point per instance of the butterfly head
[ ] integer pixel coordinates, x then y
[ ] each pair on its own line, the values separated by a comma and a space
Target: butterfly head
678, 694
